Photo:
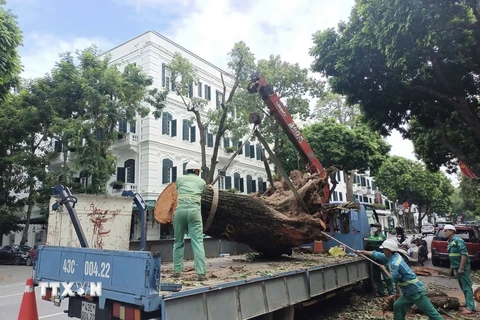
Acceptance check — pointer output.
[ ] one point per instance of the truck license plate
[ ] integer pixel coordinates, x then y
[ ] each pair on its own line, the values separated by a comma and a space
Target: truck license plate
88, 311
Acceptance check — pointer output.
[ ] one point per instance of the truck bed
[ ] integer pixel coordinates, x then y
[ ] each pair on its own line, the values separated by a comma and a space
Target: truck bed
247, 267
238, 288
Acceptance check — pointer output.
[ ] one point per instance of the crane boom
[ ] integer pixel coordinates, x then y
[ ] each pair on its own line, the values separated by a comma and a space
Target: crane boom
284, 119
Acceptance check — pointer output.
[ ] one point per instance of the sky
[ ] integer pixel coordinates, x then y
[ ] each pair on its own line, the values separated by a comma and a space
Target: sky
208, 28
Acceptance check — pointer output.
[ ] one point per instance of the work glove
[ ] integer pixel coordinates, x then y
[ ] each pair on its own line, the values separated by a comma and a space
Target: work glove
460, 272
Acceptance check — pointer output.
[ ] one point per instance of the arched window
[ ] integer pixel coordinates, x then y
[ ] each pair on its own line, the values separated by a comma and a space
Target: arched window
236, 181
169, 172
185, 168
247, 149
249, 184
261, 185
169, 126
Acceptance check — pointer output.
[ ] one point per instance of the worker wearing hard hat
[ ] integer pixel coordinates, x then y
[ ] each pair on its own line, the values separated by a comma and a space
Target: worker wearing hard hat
413, 291
460, 264
188, 215
376, 238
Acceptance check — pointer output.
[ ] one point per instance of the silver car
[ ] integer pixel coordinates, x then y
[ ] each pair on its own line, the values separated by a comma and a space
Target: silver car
428, 229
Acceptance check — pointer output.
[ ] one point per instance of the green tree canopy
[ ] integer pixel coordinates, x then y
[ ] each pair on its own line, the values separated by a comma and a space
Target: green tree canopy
10, 40
404, 60
333, 106
84, 102
409, 181
339, 146
227, 119
469, 192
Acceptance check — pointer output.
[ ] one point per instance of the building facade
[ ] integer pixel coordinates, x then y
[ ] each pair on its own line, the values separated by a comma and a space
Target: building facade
151, 153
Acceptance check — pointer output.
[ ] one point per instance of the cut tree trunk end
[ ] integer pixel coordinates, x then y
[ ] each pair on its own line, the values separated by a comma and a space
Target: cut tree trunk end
274, 223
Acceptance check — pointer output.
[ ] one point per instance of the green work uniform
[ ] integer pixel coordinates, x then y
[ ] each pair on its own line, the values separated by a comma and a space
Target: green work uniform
413, 290
377, 273
188, 215
456, 249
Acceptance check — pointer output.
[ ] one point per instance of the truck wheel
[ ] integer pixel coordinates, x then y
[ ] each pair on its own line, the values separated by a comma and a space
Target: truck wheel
435, 262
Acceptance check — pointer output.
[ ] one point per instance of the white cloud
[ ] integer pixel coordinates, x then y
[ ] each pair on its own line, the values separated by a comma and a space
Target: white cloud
211, 27
44, 50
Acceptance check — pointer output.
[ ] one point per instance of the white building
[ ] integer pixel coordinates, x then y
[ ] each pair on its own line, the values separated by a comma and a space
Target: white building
152, 153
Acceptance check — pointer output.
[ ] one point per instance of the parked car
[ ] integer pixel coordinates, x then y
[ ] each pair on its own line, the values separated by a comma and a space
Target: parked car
469, 234
14, 254
428, 229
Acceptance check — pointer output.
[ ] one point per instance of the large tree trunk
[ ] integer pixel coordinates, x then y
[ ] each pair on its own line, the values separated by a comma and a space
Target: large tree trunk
272, 224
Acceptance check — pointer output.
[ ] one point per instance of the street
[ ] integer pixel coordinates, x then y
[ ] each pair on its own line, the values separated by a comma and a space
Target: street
12, 285
13, 278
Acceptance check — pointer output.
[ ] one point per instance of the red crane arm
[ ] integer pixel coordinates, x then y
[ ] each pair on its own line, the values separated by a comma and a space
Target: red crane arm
284, 119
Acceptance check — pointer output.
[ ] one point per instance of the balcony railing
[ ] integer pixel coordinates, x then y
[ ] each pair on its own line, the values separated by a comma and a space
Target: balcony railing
128, 139
126, 187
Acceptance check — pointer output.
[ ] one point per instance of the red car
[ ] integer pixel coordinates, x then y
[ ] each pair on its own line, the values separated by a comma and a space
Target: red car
469, 234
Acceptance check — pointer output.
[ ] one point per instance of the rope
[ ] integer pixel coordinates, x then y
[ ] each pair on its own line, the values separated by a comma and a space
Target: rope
213, 209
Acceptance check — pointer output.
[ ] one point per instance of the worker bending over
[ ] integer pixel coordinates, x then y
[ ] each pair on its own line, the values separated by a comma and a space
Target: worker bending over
188, 215
413, 291
460, 264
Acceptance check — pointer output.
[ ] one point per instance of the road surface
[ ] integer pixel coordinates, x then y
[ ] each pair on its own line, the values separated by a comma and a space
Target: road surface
12, 285
13, 278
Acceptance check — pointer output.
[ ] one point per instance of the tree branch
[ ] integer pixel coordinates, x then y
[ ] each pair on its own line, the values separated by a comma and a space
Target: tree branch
464, 110
445, 141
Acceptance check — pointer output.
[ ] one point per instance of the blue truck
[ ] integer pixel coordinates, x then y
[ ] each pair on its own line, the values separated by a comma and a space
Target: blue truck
136, 285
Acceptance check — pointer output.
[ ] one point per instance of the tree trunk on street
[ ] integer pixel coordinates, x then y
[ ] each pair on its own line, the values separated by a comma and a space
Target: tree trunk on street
247, 219
272, 224
30, 204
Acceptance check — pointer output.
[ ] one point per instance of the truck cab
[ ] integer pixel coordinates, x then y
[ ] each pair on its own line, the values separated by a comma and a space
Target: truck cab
351, 226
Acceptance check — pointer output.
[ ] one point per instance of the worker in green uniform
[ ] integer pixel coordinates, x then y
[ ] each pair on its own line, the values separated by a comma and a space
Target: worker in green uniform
413, 291
188, 215
378, 237
460, 264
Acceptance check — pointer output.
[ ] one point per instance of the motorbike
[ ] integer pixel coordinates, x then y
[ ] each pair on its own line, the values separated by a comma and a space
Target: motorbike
421, 243
413, 253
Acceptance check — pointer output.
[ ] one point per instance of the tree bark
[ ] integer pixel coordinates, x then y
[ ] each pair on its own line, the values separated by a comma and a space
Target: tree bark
272, 224
31, 190
439, 300
249, 220
422, 216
